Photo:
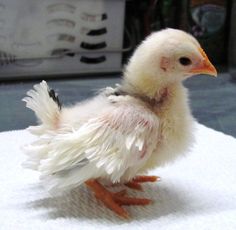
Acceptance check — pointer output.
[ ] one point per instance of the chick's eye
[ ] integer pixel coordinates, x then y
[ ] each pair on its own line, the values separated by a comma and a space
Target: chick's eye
185, 61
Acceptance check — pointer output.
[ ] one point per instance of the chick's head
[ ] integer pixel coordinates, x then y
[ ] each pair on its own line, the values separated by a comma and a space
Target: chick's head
167, 56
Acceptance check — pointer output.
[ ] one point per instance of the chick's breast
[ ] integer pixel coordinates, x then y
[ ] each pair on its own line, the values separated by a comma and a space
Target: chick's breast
176, 128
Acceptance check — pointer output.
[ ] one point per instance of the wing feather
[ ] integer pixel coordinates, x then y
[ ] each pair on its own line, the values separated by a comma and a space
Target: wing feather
108, 146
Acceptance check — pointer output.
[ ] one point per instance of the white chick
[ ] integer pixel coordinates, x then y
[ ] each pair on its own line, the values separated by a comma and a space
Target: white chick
143, 123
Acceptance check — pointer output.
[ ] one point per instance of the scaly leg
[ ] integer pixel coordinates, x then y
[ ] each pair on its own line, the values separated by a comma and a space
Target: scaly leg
115, 200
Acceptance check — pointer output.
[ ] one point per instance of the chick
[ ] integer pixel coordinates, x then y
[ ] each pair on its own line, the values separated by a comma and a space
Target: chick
122, 132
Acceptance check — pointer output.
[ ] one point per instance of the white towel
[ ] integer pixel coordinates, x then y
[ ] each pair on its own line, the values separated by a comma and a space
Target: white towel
196, 192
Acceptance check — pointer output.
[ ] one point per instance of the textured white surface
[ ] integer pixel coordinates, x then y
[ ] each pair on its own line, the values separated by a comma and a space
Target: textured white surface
196, 192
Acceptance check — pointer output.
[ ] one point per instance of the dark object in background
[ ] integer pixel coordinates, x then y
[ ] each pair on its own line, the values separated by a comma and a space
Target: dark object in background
232, 43
143, 17
207, 22
6, 58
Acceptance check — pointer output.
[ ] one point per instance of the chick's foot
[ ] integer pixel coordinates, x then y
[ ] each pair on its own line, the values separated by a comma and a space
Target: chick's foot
114, 201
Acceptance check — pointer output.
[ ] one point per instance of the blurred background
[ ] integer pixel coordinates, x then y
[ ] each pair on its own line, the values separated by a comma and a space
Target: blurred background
79, 46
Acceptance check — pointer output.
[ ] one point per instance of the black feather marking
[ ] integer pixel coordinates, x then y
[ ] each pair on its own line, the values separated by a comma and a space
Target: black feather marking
55, 98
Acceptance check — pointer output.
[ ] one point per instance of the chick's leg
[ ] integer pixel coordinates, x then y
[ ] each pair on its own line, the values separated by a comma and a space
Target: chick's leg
135, 183
114, 200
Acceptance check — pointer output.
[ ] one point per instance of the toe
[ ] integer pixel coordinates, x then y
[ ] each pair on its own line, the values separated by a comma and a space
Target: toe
134, 185
143, 179
111, 203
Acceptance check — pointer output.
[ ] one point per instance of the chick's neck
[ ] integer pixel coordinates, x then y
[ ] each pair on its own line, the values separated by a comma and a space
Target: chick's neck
152, 93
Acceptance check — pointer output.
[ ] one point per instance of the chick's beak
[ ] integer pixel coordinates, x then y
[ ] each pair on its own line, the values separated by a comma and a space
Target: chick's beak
205, 66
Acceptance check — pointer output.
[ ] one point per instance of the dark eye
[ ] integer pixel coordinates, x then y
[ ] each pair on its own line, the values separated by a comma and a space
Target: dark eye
185, 61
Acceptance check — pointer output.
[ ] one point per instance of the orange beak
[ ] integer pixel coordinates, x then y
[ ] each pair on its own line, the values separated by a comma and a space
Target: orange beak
204, 67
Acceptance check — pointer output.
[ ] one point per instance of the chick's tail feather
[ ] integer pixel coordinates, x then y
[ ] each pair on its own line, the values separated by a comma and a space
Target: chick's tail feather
45, 103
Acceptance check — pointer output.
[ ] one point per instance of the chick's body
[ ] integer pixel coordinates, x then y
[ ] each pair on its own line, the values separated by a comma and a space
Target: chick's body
174, 121
143, 123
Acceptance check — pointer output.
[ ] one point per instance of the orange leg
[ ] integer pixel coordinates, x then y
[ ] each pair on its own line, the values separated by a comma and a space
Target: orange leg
115, 200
